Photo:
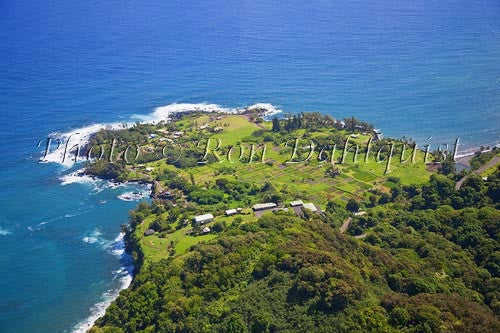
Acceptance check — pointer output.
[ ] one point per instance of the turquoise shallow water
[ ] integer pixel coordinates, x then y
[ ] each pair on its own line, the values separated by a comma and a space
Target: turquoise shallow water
421, 69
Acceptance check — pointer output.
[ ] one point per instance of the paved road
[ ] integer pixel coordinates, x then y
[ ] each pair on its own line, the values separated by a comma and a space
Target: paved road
488, 165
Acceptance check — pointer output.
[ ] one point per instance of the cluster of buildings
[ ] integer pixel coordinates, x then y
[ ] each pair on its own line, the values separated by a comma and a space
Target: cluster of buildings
234, 211
259, 209
297, 206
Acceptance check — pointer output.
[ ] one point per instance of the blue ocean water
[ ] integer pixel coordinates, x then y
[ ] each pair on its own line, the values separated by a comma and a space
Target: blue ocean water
421, 69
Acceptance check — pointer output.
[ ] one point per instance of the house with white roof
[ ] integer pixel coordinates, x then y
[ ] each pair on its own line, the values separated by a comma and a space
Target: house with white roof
263, 206
231, 212
202, 219
296, 203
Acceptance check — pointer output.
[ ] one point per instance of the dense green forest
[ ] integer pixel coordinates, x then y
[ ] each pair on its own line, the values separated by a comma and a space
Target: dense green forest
430, 263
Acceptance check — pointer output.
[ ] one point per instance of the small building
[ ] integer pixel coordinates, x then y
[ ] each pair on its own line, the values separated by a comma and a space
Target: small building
231, 212
218, 129
202, 127
152, 136
206, 230
239, 210
202, 219
149, 169
296, 203
263, 206
360, 213
177, 134
310, 206
149, 232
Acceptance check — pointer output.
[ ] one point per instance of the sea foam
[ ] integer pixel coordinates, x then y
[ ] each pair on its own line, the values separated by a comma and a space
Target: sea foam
66, 143
77, 177
4, 232
63, 145
125, 275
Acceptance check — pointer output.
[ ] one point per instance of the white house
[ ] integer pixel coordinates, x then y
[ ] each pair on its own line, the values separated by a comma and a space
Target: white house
231, 212
262, 206
206, 230
202, 219
296, 203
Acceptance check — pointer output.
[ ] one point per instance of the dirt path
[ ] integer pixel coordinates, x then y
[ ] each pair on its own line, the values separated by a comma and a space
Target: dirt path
345, 225
488, 165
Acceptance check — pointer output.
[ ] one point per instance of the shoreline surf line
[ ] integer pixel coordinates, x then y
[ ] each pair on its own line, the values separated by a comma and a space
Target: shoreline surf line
80, 137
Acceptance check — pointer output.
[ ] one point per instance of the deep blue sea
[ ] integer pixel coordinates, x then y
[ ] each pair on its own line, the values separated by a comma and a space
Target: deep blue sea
421, 68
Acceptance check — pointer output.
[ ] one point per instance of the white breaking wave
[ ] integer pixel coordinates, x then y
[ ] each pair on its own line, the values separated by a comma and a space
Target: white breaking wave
93, 237
163, 113
63, 146
125, 274
132, 196
4, 232
65, 149
90, 240
77, 177
270, 109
